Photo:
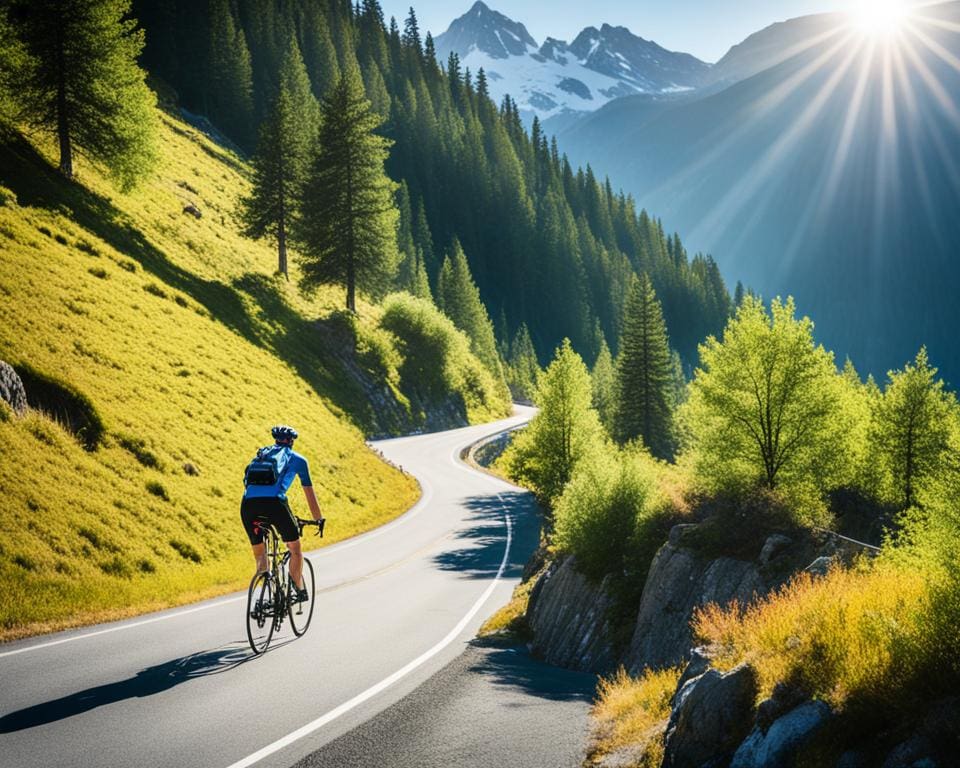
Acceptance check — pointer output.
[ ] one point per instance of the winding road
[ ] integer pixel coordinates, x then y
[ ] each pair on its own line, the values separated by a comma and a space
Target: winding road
386, 676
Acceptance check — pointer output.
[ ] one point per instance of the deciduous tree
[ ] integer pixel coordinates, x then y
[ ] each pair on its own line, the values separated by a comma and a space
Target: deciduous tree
911, 426
764, 408
564, 432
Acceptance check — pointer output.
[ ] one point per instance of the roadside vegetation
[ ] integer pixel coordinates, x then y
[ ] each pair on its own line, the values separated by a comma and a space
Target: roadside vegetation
769, 435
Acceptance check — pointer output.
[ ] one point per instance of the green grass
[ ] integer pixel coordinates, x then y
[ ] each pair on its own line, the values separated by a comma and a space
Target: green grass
187, 348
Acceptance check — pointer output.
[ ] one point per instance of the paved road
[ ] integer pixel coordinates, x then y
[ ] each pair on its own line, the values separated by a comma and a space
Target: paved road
396, 610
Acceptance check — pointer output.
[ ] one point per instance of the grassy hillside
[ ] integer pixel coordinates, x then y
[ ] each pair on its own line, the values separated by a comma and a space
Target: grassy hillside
165, 343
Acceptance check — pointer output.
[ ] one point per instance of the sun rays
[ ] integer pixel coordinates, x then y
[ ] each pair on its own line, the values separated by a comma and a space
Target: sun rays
879, 88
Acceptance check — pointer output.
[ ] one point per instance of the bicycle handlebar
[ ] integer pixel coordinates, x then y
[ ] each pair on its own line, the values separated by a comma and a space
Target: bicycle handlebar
302, 523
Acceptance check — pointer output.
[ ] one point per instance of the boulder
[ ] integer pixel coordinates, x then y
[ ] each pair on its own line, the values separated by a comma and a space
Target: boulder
774, 546
11, 389
680, 581
568, 616
711, 716
698, 664
191, 210
788, 733
784, 698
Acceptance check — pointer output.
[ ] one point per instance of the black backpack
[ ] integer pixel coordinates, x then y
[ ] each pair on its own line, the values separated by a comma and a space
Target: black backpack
267, 466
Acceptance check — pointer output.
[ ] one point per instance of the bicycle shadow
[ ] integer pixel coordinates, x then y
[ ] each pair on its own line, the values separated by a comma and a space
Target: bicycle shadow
146, 682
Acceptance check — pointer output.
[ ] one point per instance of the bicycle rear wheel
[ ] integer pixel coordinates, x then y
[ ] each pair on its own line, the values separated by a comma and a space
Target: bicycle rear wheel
260, 612
302, 613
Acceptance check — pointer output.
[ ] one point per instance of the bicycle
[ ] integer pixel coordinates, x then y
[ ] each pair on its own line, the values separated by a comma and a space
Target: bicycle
268, 599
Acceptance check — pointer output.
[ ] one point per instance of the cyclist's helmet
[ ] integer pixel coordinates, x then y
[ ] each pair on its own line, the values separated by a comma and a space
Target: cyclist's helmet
284, 434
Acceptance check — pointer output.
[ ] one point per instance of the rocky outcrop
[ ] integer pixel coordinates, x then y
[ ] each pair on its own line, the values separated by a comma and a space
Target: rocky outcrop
11, 389
711, 715
679, 581
785, 737
568, 616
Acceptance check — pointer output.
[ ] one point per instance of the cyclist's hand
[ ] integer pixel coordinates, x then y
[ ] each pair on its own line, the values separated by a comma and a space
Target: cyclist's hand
321, 522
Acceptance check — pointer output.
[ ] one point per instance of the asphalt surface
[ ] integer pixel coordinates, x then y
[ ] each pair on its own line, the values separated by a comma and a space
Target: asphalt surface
386, 675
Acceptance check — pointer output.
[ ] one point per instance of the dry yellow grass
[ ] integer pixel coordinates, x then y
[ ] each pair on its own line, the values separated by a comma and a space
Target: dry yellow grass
632, 712
189, 348
854, 635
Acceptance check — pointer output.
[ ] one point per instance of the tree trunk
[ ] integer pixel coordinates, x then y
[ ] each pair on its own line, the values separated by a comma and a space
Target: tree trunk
351, 287
63, 125
282, 248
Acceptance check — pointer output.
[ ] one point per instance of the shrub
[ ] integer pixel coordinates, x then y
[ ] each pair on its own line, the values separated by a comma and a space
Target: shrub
633, 712
186, 551
155, 290
137, 446
63, 404
157, 490
99, 273
598, 517
437, 362
853, 638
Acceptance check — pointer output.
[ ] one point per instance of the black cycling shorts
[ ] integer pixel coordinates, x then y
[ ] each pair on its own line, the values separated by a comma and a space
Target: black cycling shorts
276, 511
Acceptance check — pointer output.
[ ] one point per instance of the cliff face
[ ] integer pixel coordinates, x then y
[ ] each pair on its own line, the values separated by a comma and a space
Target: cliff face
568, 616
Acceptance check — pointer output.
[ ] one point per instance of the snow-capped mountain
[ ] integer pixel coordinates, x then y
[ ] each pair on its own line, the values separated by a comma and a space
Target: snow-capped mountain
556, 78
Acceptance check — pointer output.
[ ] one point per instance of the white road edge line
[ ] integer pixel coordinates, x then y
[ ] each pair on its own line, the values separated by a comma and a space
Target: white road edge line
425, 499
362, 538
373, 690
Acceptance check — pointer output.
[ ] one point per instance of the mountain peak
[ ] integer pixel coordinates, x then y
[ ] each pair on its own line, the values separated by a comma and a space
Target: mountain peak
485, 30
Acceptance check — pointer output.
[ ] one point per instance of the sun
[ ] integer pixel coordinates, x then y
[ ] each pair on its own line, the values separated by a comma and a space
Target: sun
879, 18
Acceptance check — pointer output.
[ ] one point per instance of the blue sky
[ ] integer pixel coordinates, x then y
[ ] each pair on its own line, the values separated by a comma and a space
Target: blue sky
705, 28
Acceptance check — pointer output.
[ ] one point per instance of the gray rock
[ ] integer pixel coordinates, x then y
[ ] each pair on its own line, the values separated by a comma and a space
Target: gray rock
785, 736
11, 389
711, 716
680, 581
784, 698
916, 752
568, 616
698, 664
774, 546
821, 566
191, 210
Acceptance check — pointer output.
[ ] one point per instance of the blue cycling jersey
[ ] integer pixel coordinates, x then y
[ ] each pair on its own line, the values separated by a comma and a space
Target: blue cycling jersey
296, 466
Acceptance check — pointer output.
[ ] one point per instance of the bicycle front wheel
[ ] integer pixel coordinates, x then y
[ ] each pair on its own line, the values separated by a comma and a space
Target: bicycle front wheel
260, 612
302, 613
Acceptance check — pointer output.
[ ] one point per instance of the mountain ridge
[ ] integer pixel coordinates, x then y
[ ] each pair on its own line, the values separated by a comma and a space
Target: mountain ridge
557, 77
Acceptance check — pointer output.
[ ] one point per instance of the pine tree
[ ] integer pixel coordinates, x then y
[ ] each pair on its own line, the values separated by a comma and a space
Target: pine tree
348, 220
83, 84
524, 368
459, 299
14, 67
230, 89
319, 53
411, 33
645, 373
280, 162
604, 380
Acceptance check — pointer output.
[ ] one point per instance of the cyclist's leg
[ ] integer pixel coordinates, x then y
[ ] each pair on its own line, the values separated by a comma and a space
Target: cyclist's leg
290, 533
296, 563
248, 511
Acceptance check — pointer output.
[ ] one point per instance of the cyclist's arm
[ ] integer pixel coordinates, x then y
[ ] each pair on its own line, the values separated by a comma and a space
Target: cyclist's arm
312, 502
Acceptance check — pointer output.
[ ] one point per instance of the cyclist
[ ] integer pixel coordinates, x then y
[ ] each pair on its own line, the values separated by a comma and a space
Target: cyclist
270, 502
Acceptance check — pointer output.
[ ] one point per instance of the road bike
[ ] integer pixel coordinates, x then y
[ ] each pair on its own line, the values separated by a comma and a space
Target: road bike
269, 600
